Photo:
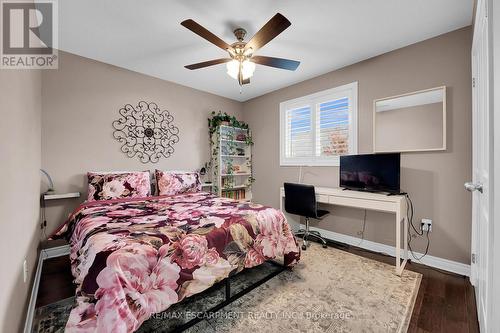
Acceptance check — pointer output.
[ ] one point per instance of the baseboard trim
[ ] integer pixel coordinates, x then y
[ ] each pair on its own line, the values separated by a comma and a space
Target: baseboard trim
44, 254
428, 260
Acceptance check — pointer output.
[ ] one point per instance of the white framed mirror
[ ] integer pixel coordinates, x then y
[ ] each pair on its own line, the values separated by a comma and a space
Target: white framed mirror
410, 122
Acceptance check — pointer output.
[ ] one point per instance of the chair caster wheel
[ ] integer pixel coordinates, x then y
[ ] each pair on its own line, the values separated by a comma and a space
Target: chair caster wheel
325, 246
304, 247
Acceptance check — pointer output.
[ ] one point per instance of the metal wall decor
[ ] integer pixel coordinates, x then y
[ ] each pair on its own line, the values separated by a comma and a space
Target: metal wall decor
146, 131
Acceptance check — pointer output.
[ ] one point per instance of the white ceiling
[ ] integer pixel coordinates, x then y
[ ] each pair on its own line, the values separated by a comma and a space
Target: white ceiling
146, 36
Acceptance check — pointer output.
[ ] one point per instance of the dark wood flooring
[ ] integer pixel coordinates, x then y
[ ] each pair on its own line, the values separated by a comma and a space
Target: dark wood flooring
56, 281
445, 301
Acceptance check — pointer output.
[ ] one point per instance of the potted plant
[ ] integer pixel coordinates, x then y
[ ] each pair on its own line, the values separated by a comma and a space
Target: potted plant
220, 118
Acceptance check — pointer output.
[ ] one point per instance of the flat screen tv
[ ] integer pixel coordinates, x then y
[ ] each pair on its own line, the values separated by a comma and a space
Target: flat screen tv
371, 172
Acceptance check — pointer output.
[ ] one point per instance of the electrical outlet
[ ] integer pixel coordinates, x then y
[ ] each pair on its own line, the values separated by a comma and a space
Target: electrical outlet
426, 225
25, 270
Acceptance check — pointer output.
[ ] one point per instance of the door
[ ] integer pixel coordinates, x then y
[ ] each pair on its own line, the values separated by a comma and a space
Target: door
479, 186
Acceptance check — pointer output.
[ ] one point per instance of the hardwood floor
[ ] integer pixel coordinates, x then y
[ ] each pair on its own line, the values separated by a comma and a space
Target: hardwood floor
445, 301
56, 281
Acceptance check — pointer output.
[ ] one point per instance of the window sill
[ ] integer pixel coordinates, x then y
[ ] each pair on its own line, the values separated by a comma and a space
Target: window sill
331, 163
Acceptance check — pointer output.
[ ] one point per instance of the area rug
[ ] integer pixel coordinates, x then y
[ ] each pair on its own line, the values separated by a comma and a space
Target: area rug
330, 290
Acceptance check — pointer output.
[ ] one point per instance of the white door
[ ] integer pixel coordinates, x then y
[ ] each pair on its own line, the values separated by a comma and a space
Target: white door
479, 186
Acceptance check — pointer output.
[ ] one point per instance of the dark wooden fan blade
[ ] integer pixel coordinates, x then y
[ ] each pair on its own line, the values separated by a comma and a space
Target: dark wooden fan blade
288, 64
204, 33
271, 29
208, 63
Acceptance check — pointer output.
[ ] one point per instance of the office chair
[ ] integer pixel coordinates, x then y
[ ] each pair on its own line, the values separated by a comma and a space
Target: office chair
301, 200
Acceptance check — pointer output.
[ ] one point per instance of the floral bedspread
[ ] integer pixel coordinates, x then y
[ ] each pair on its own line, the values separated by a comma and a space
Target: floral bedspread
132, 258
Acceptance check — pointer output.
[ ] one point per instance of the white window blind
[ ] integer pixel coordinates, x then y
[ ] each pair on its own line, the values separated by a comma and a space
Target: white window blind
299, 132
332, 127
318, 128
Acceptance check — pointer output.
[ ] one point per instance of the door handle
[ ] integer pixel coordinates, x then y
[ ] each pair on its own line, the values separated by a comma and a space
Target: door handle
471, 187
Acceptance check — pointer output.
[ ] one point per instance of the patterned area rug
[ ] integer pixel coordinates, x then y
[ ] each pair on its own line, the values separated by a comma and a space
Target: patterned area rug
328, 291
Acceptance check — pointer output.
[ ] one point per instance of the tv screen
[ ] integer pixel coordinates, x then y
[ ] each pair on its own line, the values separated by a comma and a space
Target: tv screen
372, 172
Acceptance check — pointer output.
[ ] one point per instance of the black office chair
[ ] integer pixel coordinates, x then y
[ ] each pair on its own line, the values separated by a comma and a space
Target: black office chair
301, 200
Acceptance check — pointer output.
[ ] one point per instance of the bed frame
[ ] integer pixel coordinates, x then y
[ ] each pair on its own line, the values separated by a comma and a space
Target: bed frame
228, 297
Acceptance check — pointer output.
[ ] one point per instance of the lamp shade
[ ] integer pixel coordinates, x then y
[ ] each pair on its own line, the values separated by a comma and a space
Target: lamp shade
233, 68
247, 69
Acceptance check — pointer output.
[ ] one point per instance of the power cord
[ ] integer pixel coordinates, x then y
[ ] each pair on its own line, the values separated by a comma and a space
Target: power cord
410, 214
43, 217
363, 230
426, 247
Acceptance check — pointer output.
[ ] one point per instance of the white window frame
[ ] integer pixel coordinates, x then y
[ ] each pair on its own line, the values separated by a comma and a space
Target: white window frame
349, 90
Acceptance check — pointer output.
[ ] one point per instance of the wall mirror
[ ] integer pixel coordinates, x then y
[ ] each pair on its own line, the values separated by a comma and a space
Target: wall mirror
411, 122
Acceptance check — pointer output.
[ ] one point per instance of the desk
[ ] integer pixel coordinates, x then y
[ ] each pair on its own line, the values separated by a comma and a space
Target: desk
372, 201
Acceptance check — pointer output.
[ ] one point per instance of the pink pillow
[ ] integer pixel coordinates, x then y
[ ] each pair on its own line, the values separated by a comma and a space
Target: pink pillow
173, 182
115, 185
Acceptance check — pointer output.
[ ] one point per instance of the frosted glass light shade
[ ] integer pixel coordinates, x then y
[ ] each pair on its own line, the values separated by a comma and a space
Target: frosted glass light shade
233, 67
247, 69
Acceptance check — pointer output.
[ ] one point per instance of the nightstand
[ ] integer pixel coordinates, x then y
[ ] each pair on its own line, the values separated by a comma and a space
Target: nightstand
57, 196
48, 196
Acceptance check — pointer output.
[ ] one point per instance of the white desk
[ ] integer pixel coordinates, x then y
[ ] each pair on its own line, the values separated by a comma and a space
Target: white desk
372, 201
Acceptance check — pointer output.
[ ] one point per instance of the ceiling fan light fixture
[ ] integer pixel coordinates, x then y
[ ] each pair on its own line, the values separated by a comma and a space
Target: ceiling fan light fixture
247, 69
233, 68
248, 52
242, 59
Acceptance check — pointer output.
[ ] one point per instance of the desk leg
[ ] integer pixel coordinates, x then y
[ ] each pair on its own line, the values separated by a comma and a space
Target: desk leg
400, 266
405, 221
398, 242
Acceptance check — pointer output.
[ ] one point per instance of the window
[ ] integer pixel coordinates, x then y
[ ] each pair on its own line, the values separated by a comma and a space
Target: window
316, 129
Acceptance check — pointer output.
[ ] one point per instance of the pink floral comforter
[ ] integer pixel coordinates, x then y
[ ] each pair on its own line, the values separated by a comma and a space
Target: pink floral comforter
132, 258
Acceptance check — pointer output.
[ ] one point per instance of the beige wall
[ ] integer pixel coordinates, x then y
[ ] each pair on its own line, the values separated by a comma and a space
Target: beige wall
434, 180
20, 110
80, 101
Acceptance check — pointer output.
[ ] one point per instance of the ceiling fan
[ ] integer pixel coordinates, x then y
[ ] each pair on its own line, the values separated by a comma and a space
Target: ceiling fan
241, 61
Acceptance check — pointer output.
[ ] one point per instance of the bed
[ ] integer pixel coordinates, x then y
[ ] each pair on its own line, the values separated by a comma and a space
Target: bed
132, 258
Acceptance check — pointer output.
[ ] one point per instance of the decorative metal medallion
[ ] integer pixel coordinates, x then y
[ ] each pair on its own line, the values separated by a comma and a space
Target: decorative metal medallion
146, 132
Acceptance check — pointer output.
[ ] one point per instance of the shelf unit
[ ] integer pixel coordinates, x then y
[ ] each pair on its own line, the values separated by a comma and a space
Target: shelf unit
57, 196
232, 163
236, 156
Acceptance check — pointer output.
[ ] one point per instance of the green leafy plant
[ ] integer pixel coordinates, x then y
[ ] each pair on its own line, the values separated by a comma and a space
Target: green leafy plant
250, 181
219, 118
229, 166
248, 139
